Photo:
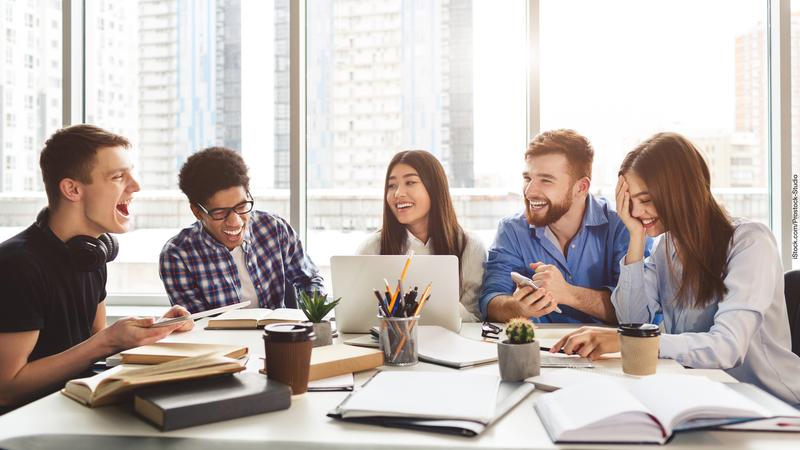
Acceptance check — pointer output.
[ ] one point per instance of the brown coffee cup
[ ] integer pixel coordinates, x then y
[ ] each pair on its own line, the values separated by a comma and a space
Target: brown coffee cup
287, 347
639, 346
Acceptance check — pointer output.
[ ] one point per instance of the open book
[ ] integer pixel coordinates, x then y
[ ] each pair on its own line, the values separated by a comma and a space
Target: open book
254, 318
647, 410
161, 352
462, 403
112, 385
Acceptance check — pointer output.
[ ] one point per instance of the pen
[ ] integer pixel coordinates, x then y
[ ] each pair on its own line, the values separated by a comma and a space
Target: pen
381, 303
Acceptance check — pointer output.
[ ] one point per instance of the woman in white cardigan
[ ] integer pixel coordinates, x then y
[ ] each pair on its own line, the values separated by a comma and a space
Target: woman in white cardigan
717, 280
418, 215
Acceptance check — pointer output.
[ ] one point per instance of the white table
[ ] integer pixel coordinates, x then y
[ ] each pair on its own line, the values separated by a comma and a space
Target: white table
305, 425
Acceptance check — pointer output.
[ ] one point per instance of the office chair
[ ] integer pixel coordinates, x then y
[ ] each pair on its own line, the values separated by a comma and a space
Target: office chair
791, 290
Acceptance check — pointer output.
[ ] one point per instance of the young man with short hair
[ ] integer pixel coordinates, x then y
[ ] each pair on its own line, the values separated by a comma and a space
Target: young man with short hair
232, 253
53, 274
567, 240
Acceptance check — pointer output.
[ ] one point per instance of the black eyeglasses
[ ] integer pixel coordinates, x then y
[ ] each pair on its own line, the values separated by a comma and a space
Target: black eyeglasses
223, 213
490, 330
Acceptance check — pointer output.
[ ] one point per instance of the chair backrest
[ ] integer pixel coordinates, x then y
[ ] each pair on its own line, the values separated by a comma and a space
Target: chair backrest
791, 290
290, 296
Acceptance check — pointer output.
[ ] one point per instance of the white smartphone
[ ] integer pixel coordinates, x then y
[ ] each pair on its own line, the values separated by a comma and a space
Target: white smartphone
199, 315
525, 281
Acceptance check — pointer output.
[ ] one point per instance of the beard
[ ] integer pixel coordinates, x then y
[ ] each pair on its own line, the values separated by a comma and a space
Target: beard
554, 212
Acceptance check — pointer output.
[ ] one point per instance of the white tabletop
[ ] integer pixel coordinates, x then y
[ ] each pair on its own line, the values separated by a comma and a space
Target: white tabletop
306, 426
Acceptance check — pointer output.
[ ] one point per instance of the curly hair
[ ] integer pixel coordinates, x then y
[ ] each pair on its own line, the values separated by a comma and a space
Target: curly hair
211, 170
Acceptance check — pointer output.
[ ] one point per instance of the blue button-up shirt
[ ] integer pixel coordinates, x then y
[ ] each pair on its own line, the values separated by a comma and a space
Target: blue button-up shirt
199, 272
592, 259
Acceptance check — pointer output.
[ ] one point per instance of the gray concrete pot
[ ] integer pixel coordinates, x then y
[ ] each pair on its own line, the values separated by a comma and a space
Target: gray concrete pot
322, 334
518, 361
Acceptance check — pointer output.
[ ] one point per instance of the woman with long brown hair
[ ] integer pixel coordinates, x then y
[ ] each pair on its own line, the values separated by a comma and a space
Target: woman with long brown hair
418, 215
717, 280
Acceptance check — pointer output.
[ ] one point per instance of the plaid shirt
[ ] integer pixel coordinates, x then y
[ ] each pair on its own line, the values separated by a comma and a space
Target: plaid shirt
199, 272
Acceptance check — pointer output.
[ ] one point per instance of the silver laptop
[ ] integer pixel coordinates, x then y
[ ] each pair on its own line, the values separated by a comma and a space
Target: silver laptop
354, 277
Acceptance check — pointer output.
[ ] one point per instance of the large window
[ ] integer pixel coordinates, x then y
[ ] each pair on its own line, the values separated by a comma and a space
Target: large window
447, 76
385, 76
30, 104
177, 76
651, 66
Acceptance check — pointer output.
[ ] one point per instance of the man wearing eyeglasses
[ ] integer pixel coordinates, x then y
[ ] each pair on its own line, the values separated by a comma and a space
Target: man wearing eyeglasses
232, 253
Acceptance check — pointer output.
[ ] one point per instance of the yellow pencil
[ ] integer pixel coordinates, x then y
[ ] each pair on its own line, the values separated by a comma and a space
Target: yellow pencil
392, 298
402, 278
425, 294
405, 268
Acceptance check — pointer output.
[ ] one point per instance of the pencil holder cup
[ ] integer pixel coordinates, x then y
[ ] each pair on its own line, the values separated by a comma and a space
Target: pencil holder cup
398, 339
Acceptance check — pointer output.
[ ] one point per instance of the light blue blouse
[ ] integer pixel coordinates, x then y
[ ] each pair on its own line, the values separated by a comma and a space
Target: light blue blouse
746, 333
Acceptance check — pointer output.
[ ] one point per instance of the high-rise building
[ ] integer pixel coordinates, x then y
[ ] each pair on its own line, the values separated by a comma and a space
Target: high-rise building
190, 88
383, 76
30, 88
281, 89
111, 90
229, 73
752, 104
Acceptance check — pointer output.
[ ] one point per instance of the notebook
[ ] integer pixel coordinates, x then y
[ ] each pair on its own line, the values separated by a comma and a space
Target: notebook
168, 351
438, 345
113, 385
343, 382
648, 410
463, 403
254, 318
210, 400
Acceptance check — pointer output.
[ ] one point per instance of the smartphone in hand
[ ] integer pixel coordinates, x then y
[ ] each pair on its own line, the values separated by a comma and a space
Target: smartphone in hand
525, 281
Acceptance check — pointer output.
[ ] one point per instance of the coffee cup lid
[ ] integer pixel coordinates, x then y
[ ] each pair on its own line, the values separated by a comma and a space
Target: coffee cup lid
638, 329
289, 332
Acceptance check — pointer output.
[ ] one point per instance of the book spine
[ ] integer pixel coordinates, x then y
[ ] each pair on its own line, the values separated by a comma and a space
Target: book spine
225, 410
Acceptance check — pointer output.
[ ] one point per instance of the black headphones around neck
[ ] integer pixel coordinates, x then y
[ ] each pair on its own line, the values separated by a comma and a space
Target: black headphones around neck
86, 253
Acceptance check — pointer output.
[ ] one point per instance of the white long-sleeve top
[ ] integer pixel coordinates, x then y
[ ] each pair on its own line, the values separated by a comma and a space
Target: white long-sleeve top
746, 333
472, 262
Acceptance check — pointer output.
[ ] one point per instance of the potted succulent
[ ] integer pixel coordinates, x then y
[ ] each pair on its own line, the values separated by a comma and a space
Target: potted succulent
518, 356
316, 306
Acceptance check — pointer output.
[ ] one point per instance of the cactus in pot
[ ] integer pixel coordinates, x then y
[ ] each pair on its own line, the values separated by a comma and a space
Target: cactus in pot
518, 356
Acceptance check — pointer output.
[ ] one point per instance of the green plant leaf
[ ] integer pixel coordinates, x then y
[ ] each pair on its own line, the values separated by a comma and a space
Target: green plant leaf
316, 306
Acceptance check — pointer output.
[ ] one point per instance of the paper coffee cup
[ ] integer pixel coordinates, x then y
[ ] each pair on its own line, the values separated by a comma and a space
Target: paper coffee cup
287, 347
639, 346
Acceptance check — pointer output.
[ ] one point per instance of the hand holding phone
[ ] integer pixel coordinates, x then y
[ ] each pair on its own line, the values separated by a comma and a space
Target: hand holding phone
522, 280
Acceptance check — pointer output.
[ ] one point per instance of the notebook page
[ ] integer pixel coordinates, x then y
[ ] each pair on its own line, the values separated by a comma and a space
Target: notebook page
435, 395
676, 398
586, 411
244, 314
